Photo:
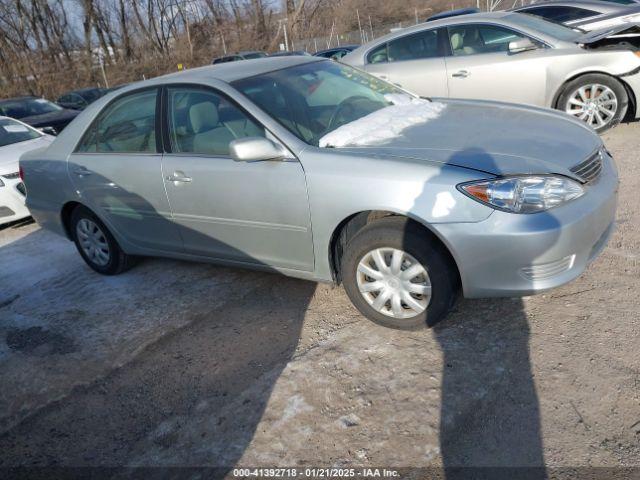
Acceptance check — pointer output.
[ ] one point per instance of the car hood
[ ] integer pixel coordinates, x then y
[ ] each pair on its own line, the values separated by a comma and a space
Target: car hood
497, 138
52, 118
10, 154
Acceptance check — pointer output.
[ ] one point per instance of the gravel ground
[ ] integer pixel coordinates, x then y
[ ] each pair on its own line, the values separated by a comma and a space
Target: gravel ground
183, 364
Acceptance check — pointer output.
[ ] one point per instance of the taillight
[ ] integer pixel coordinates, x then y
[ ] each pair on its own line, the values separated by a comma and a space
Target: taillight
21, 172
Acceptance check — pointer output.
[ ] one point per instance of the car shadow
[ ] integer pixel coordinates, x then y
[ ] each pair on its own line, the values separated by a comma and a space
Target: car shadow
239, 345
489, 422
489, 413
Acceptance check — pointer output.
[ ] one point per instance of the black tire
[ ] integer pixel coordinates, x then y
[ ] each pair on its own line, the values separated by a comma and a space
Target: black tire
600, 79
404, 234
118, 261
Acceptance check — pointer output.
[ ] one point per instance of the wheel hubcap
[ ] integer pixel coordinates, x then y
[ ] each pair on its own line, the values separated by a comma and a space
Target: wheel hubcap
394, 283
93, 242
595, 104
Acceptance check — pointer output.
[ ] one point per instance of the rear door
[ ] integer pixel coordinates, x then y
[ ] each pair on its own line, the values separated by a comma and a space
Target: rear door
249, 212
414, 62
117, 170
481, 67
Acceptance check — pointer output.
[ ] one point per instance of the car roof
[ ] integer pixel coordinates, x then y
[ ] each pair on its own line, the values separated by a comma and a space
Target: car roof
341, 47
229, 72
602, 7
472, 17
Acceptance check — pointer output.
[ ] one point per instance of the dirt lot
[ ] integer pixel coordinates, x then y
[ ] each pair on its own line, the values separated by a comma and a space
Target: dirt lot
185, 364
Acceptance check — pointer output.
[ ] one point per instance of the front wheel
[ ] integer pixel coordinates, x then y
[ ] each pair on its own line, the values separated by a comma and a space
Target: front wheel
397, 275
598, 100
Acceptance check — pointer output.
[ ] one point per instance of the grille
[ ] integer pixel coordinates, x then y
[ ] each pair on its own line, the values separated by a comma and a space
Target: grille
11, 176
590, 168
21, 188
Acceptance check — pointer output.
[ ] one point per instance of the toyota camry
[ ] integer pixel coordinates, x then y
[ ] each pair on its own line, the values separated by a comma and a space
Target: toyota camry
316, 170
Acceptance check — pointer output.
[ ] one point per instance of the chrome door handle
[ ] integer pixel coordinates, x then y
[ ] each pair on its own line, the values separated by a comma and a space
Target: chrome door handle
383, 77
461, 74
82, 171
178, 177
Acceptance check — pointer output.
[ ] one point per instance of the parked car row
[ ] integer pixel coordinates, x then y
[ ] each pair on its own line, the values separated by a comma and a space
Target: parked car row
514, 57
50, 117
322, 171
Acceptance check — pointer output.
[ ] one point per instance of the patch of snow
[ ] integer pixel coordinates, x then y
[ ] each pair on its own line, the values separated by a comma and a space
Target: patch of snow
385, 124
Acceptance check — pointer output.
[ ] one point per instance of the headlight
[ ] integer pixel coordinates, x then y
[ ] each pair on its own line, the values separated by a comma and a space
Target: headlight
524, 194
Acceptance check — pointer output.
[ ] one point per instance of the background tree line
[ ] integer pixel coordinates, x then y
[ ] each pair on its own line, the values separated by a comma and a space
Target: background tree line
51, 46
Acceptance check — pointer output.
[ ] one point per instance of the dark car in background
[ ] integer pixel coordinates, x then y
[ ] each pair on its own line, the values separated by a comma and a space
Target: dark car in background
336, 53
38, 112
291, 53
80, 99
234, 57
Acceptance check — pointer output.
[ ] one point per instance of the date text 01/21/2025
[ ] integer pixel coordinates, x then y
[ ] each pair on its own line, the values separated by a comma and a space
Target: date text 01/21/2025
314, 473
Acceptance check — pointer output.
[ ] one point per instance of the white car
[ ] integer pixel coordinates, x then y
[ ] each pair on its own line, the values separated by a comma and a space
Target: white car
16, 138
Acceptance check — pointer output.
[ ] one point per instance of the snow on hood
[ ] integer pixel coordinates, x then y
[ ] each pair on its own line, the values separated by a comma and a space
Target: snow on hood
384, 124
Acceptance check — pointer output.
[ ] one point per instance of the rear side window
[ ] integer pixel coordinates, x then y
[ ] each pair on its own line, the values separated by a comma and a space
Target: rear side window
413, 47
560, 14
127, 125
378, 54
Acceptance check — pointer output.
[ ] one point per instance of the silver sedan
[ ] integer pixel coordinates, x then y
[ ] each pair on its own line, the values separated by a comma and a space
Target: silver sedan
313, 169
513, 57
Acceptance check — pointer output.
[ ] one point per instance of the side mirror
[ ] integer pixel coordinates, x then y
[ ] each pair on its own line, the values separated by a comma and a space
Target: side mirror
522, 45
255, 149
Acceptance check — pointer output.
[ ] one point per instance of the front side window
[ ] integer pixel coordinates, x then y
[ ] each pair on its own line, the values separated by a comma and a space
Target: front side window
203, 122
127, 125
413, 47
313, 99
476, 39
13, 132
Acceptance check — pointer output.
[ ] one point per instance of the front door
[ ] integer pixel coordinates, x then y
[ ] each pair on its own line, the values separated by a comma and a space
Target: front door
250, 212
481, 66
117, 170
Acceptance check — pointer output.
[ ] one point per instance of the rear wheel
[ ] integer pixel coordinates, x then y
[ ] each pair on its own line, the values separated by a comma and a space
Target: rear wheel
96, 245
598, 100
397, 276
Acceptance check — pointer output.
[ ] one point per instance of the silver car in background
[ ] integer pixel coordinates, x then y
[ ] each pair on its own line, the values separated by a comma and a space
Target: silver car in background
512, 57
313, 169
584, 14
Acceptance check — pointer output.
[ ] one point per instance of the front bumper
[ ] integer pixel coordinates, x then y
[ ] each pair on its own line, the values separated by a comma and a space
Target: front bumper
12, 200
515, 255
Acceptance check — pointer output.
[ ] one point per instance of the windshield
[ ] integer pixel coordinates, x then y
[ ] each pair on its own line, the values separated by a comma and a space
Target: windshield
27, 107
551, 29
13, 132
316, 98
